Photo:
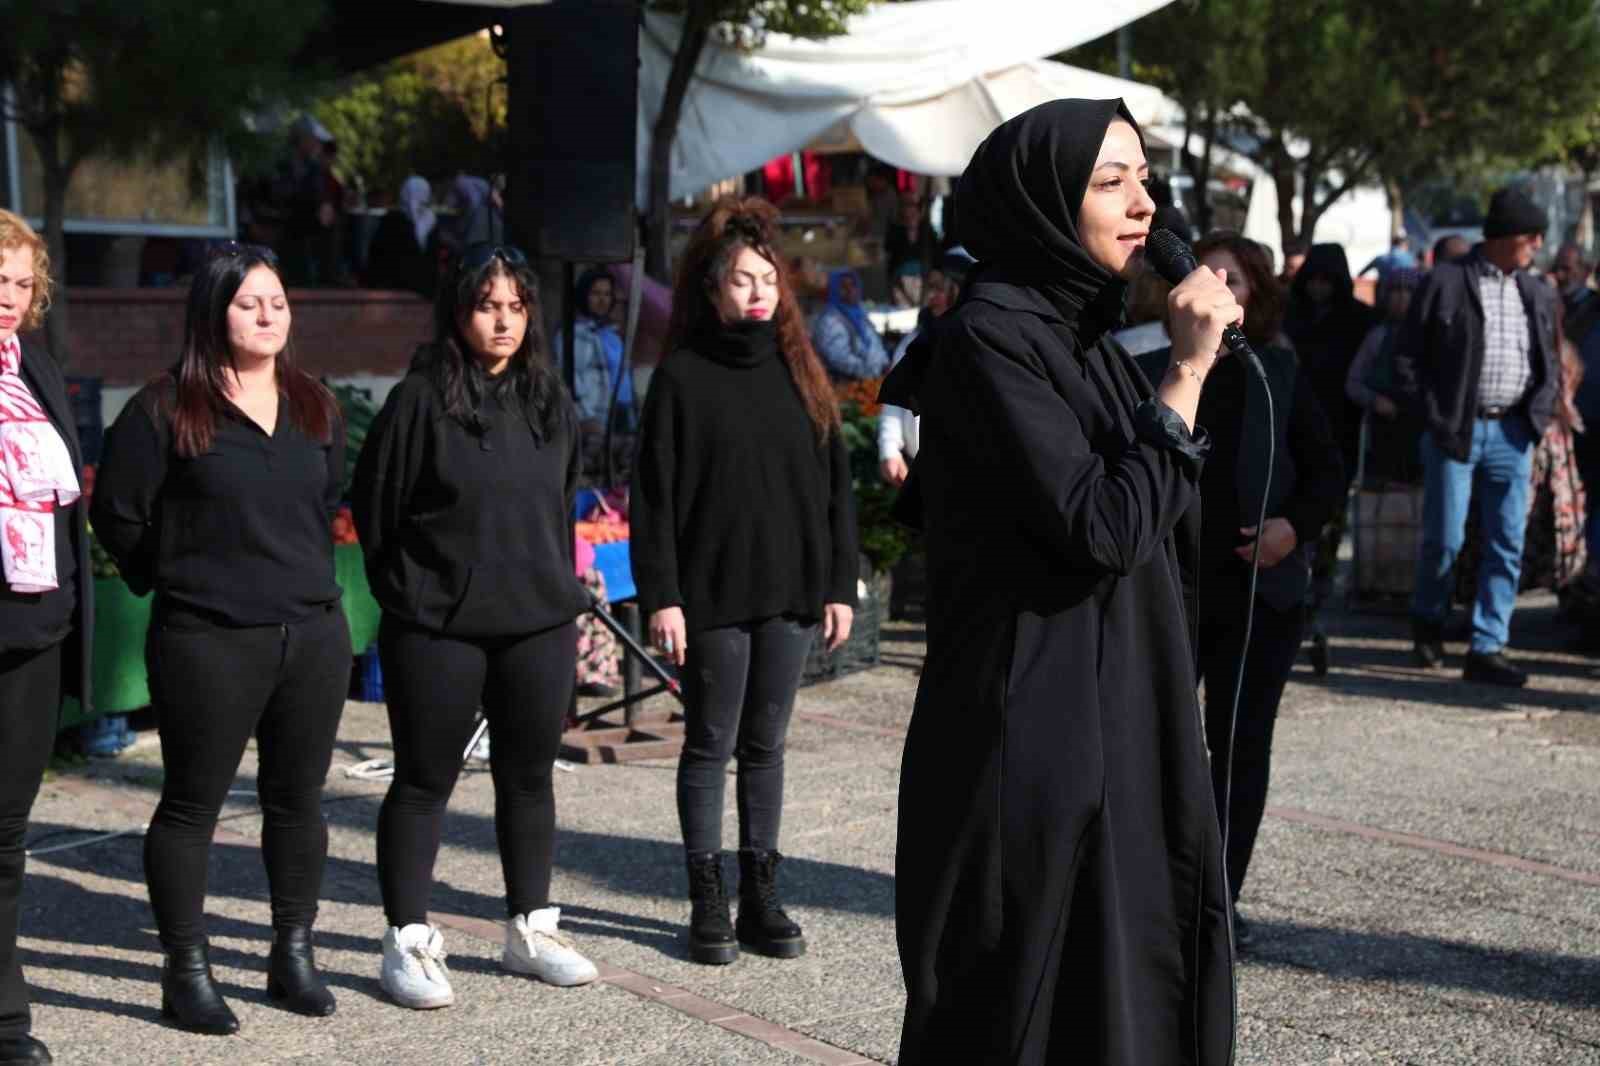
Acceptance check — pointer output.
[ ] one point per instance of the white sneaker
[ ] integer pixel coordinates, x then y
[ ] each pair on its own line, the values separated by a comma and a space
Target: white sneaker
414, 973
533, 946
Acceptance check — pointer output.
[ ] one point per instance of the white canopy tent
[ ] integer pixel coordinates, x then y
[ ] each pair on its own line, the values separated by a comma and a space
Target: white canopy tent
918, 85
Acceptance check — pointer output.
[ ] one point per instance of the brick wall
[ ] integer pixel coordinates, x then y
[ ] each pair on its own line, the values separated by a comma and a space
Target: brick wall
127, 336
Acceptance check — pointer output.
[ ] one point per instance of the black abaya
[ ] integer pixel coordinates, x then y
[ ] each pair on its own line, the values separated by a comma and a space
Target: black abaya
1060, 896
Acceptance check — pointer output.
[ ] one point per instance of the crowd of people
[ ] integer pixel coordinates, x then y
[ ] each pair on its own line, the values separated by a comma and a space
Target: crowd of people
1068, 870
215, 493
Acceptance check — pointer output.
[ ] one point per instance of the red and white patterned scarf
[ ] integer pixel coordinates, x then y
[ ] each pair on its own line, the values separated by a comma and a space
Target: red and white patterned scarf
35, 474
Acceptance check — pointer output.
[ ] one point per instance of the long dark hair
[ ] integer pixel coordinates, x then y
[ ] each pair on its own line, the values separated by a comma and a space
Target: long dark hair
732, 225
1263, 315
528, 380
202, 370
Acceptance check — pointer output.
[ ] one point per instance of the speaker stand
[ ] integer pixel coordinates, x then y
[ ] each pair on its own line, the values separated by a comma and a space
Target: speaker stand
599, 735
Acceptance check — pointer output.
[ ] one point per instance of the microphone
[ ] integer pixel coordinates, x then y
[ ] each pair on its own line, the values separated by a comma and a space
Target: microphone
1174, 260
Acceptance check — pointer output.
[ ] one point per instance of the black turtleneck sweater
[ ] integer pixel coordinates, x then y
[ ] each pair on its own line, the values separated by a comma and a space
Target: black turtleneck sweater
738, 513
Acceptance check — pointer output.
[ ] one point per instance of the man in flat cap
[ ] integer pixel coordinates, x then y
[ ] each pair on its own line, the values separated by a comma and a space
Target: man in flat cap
1480, 342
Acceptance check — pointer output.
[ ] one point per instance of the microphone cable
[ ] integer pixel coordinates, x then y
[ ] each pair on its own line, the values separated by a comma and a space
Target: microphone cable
1260, 373
1172, 258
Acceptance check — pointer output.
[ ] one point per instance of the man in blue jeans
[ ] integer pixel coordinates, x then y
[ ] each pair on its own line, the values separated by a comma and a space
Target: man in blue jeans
1481, 348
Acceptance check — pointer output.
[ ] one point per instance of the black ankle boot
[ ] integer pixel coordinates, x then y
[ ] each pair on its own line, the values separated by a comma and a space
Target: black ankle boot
292, 978
1427, 643
23, 1051
189, 996
762, 925
710, 929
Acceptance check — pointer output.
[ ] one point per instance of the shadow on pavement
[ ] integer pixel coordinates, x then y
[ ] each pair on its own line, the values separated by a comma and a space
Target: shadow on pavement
1536, 976
632, 866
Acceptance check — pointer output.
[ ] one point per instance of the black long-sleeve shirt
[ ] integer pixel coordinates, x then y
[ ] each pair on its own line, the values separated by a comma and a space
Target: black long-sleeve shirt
1318, 491
239, 535
467, 533
737, 512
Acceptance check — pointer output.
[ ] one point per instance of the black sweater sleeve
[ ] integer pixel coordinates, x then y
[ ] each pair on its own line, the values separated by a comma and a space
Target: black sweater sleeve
652, 520
133, 466
334, 494
574, 474
842, 525
1112, 511
386, 470
1319, 469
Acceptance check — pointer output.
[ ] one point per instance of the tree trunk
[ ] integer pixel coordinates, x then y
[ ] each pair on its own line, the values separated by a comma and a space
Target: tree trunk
1310, 210
57, 174
1397, 206
1584, 235
1283, 173
1199, 167
696, 28
1203, 178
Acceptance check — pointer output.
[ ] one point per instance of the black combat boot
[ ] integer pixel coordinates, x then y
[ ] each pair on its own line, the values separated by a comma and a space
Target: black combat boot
762, 925
710, 929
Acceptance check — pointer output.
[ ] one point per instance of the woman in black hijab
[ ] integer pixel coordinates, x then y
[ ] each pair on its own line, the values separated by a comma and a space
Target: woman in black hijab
1059, 885
1327, 325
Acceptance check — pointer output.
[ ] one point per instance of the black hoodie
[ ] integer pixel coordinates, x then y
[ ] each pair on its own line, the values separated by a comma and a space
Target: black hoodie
1326, 338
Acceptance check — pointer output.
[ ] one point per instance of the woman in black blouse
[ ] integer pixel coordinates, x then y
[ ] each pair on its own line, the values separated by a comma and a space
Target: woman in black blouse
216, 489
44, 617
461, 498
744, 540
1306, 490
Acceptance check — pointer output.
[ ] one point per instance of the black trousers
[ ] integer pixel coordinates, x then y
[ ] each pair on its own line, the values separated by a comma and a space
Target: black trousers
212, 687
1274, 644
435, 685
30, 697
739, 684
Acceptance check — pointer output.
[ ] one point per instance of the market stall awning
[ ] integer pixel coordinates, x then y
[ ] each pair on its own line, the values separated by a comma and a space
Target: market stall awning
918, 85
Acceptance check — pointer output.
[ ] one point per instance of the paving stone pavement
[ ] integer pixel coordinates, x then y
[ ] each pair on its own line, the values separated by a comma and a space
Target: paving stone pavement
1426, 890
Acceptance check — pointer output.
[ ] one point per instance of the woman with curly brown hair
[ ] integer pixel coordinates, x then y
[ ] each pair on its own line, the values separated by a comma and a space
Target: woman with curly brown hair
744, 540
45, 594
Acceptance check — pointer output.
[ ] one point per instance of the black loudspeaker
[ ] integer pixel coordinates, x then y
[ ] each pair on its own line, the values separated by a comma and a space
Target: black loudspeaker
573, 73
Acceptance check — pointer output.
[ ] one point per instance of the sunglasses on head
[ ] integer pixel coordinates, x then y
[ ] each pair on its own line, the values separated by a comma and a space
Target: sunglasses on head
241, 250
479, 254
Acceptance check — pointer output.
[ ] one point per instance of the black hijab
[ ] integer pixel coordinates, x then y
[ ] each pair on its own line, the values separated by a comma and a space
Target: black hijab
1020, 198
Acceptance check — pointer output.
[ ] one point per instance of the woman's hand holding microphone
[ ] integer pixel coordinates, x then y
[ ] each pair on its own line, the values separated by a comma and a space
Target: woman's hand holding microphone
1198, 310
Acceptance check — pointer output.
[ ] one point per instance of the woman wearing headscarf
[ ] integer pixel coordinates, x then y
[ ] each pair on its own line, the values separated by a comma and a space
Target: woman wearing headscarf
1059, 886
405, 250
598, 377
1327, 325
843, 335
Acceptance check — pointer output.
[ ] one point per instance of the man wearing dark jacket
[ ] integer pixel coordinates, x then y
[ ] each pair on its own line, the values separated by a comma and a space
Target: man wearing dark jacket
1481, 346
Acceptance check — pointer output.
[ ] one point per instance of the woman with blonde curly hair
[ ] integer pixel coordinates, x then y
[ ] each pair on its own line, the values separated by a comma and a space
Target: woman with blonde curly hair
744, 541
45, 611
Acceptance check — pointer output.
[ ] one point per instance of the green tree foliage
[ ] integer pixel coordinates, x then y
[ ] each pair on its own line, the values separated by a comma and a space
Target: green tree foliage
153, 79
439, 110
745, 23
1369, 91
